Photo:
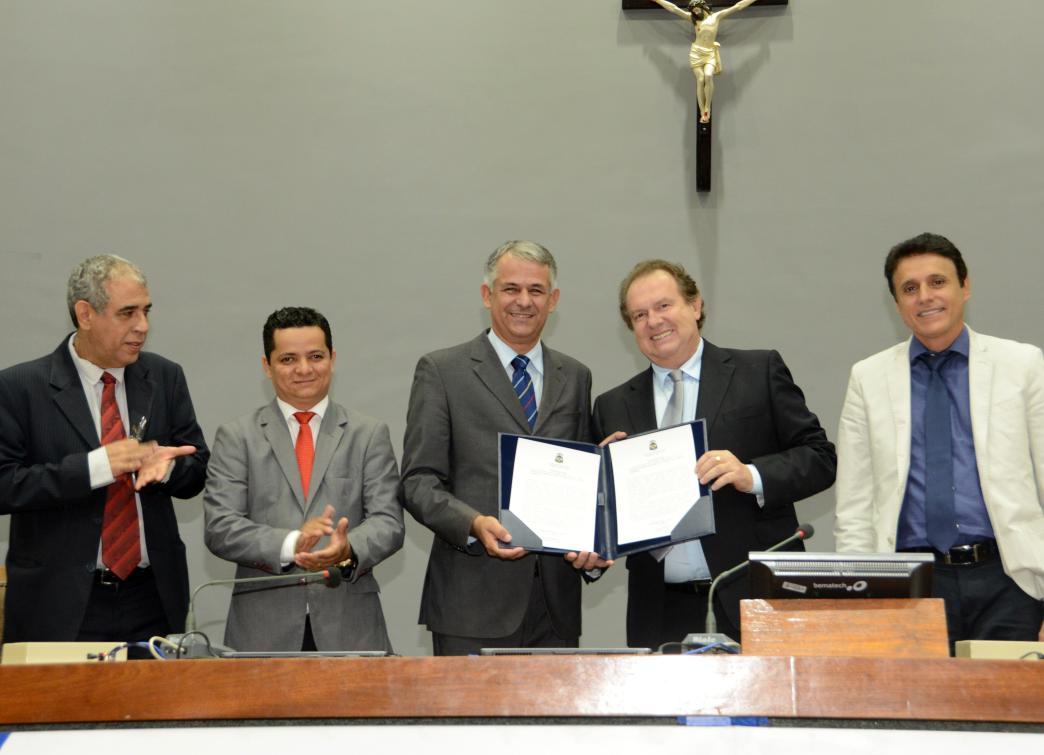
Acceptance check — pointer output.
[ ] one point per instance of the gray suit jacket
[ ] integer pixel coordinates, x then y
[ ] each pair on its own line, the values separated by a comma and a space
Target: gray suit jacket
253, 499
461, 398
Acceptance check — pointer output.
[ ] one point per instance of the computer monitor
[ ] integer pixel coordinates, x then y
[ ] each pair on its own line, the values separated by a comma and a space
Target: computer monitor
793, 574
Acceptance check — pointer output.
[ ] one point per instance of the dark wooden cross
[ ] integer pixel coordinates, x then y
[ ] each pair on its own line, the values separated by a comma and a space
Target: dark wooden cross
703, 130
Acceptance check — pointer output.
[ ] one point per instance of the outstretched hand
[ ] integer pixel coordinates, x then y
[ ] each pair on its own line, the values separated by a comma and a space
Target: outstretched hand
156, 465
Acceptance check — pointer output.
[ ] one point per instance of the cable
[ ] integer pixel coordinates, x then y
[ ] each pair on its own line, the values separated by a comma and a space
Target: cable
155, 651
716, 647
181, 644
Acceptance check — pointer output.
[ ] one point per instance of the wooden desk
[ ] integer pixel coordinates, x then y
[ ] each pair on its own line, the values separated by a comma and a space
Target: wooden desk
535, 686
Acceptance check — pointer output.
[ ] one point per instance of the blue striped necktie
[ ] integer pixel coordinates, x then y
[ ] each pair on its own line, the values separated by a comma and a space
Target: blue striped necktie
523, 385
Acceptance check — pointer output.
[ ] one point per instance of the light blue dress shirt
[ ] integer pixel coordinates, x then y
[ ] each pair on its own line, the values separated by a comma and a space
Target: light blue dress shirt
686, 562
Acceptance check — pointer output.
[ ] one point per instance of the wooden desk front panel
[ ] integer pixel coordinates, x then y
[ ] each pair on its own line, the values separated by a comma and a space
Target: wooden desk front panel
588, 686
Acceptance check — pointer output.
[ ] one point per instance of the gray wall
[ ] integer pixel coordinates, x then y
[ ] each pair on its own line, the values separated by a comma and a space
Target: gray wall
365, 157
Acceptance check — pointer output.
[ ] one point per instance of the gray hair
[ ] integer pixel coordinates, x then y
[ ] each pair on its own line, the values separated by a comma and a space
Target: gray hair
530, 251
88, 279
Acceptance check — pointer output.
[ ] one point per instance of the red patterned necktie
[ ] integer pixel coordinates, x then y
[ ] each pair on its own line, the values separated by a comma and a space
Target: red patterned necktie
121, 547
305, 449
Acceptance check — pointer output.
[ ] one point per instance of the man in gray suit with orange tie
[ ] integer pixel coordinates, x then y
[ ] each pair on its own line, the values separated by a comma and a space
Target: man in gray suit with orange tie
278, 480
478, 593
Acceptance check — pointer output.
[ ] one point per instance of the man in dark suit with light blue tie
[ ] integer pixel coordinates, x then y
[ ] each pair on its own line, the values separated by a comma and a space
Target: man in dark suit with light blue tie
767, 450
476, 592
95, 440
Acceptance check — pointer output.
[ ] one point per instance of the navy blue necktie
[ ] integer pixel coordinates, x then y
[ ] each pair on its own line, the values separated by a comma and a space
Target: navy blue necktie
523, 385
939, 509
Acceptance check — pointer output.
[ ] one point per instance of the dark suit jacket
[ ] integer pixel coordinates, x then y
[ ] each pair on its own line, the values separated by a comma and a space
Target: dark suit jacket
461, 398
46, 431
753, 409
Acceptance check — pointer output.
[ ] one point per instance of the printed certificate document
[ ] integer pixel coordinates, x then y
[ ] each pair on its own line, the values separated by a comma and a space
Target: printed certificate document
637, 494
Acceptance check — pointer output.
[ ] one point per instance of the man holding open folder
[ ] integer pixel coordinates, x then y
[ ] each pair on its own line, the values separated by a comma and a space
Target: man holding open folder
767, 450
478, 593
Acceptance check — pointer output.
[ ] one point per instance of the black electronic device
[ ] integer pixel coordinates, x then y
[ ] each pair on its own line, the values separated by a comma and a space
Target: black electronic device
790, 574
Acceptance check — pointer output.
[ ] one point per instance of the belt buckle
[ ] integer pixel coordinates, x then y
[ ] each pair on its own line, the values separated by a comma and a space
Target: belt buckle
108, 578
962, 555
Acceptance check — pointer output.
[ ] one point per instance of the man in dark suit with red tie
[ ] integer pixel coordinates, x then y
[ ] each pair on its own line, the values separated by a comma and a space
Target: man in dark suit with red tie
95, 439
767, 450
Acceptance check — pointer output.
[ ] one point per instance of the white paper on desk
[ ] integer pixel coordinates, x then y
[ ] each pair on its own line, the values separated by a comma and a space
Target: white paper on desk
554, 490
655, 481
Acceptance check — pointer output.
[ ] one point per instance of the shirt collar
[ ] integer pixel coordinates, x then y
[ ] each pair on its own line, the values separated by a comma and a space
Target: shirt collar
505, 353
89, 371
692, 367
959, 345
289, 411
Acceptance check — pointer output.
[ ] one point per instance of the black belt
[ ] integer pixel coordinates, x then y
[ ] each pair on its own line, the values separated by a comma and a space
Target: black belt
693, 586
108, 578
961, 555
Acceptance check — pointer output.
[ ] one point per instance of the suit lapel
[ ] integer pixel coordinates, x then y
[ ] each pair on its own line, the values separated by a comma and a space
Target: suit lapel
554, 385
716, 372
640, 405
140, 389
68, 395
898, 379
331, 431
980, 389
273, 427
490, 372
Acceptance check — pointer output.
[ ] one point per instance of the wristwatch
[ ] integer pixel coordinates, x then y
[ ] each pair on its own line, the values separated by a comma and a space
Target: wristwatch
347, 567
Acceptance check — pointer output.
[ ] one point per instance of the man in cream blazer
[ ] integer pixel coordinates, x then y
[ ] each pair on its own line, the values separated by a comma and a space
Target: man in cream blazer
990, 558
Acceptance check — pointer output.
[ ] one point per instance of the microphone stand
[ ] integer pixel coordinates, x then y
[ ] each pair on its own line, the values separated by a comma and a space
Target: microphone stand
711, 637
197, 645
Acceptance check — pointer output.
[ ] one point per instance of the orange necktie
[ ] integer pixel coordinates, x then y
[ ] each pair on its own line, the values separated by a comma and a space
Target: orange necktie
305, 449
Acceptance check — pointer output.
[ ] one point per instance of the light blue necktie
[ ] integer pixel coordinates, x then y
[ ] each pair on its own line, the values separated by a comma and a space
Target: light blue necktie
674, 414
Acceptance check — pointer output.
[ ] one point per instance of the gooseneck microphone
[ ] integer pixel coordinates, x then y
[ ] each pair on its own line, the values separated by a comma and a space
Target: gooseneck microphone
803, 532
331, 577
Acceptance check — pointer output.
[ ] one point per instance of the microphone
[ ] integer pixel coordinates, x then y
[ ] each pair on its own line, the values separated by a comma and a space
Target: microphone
331, 577
803, 532
710, 627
